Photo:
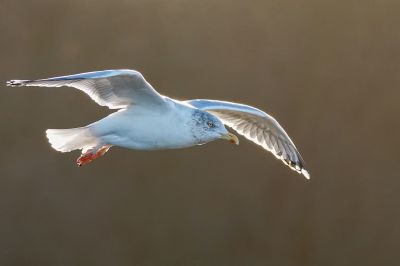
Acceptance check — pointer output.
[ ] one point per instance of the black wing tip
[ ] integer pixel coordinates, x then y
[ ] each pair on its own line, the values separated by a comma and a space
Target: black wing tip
16, 83
298, 167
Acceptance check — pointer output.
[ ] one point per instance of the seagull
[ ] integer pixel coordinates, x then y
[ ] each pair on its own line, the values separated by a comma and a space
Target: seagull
147, 120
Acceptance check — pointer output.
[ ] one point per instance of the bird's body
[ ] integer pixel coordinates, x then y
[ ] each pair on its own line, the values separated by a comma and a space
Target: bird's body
147, 120
133, 127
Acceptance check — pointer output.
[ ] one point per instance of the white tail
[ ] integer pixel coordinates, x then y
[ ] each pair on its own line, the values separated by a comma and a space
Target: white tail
65, 140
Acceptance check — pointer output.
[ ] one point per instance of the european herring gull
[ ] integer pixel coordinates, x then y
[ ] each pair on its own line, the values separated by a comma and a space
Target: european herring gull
147, 120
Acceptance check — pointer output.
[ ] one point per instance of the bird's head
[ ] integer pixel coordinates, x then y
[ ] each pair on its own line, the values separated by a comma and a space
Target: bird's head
208, 127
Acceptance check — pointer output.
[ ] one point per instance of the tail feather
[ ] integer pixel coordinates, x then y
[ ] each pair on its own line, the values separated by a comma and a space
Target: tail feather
66, 140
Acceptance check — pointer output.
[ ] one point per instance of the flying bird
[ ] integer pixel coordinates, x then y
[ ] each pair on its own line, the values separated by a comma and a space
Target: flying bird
147, 120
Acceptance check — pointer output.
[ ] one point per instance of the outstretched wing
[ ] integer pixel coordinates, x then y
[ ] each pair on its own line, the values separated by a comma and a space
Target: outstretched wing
112, 88
258, 127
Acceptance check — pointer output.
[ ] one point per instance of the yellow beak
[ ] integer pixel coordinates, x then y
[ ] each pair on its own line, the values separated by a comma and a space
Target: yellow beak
231, 137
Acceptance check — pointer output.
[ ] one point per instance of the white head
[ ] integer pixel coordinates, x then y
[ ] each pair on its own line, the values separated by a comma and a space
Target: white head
207, 127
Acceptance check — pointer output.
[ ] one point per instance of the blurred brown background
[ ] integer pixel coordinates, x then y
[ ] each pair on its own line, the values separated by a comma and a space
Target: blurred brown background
327, 70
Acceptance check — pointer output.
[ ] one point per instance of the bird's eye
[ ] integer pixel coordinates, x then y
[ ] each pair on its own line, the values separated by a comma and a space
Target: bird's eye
210, 124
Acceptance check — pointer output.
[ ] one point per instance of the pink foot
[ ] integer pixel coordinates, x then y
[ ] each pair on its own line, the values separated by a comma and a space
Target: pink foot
90, 155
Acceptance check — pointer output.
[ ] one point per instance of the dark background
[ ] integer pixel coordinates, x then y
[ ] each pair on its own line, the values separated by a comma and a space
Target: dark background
328, 71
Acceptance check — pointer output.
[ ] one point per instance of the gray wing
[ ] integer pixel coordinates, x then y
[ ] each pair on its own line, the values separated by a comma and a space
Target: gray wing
112, 88
258, 127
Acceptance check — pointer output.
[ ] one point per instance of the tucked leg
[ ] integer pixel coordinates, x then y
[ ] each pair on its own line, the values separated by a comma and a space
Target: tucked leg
90, 155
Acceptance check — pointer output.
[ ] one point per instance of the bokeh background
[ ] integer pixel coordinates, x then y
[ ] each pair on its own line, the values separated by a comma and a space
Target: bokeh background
328, 71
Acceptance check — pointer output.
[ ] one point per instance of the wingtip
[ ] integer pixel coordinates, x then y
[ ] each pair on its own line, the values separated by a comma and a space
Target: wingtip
15, 83
305, 173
